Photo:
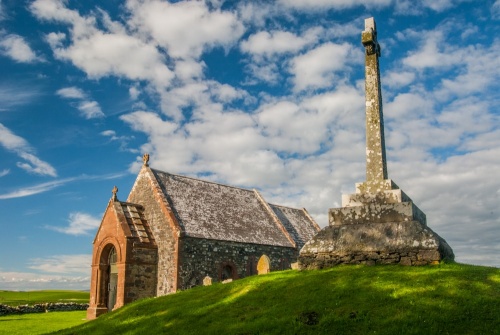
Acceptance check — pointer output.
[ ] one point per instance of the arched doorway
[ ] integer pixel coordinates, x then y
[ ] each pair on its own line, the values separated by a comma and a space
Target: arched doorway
228, 271
112, 279
264, 265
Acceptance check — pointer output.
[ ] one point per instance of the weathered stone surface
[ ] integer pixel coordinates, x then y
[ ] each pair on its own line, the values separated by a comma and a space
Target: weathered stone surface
406, 243
376, 213
379, 224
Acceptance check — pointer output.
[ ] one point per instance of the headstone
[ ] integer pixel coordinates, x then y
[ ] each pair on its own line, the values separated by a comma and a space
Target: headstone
207, 281
264, 265
379, 223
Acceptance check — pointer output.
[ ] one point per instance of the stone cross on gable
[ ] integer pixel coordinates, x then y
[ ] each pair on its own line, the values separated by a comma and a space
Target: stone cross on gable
114, 191
376, 165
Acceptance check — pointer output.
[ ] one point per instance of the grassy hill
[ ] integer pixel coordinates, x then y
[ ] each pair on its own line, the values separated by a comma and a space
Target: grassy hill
443, 299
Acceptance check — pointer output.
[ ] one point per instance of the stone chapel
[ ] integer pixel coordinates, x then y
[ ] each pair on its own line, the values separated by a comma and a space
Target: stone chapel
173, 231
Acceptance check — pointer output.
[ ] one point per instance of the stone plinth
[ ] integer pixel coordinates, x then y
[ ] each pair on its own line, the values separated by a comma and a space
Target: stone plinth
375, 228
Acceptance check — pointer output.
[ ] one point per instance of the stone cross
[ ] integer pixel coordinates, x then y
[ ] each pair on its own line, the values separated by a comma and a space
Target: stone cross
376, 165
145, 159
114, 191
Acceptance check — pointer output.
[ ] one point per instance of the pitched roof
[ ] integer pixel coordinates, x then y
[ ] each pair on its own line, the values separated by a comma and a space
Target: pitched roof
297, 222
210, 210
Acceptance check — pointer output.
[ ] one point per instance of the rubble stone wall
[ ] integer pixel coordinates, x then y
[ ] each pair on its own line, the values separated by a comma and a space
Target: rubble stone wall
162, 231
141, 274
42, 308
201, 257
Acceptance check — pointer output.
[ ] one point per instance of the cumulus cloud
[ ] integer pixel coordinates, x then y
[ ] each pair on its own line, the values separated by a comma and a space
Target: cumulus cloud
102, 53
4, 172
63, 264
89, 109
29, 281
79, 224
333, 4
276, 42
71, 93
185, 28
317, 67
15, 47
21, 147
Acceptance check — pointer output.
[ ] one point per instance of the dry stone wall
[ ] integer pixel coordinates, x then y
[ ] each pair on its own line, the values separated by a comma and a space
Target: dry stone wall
42, 308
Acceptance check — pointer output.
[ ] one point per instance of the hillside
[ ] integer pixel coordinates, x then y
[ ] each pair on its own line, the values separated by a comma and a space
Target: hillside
443, 299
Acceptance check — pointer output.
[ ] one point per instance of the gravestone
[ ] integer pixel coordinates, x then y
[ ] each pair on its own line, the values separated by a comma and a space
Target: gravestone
207, 281
379, 224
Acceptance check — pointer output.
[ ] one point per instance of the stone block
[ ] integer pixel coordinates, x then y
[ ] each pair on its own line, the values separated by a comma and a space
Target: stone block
376, 213
405, 261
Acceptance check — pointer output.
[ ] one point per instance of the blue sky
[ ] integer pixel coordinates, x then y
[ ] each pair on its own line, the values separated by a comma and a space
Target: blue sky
254, 94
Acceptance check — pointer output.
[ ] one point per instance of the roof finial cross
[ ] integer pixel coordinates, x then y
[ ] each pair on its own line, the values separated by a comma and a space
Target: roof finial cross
114, 191
145, 159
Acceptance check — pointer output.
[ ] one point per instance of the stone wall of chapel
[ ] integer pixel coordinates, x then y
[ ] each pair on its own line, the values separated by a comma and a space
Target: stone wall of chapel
142, 193
141, 274
202, 257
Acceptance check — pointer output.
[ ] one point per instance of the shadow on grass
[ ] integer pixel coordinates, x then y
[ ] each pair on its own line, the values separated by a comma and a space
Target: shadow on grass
450, 298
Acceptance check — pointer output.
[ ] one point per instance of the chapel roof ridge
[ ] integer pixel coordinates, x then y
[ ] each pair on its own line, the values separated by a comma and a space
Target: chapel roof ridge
206, 181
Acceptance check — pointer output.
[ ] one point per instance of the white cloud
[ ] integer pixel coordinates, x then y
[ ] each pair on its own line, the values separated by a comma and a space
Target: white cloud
184, 28
32, 190
63, 264
398, 79
28, 281
101, 53
21, 147
13, 94
495, 10
276, 42
89, 109
79, 224
4, 172
15, 47
316, 68
71, 93
336, 4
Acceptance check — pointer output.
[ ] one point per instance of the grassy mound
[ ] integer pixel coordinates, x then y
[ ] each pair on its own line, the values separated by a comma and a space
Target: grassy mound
443, 299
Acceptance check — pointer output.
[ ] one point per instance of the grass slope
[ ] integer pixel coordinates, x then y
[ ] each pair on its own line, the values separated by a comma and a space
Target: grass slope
40, 323
16, 298
443, 299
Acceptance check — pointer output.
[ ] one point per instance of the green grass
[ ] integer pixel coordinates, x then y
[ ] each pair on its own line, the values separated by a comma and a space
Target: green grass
40, 323
16, 298
443, 299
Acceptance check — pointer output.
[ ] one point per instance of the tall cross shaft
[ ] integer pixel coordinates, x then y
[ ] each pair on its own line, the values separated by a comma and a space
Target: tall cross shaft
376, 165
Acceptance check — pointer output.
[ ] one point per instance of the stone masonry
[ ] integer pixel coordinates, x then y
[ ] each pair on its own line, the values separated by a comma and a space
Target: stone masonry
379, 224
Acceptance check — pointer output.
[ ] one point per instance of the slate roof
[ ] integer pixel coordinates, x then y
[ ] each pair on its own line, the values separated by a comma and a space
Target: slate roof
210, 210
295, 222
